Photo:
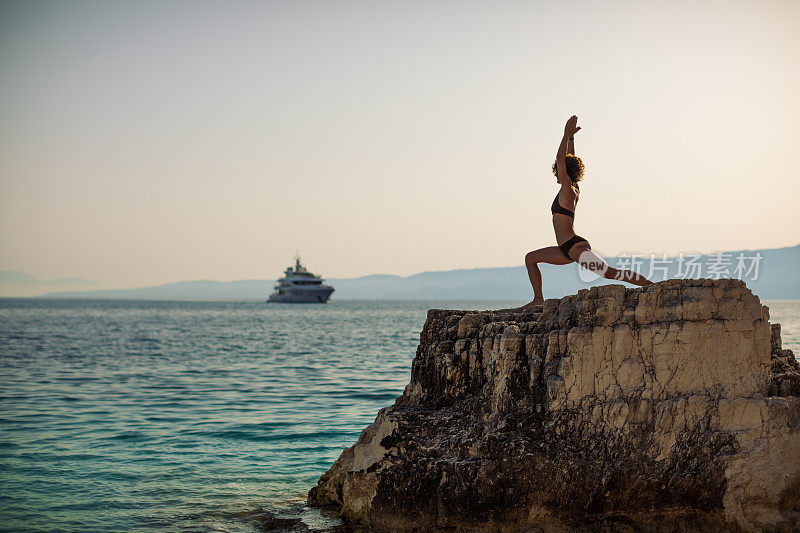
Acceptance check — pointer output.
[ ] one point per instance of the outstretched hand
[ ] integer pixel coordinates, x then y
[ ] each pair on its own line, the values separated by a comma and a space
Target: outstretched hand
572, 126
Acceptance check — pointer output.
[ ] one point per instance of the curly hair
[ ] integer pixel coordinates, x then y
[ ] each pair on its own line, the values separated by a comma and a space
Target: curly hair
574, 168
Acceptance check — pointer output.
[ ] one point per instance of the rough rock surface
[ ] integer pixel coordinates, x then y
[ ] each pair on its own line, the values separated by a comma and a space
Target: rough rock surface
672, 407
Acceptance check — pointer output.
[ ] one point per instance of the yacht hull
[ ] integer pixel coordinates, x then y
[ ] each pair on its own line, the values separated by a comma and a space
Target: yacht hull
300, 296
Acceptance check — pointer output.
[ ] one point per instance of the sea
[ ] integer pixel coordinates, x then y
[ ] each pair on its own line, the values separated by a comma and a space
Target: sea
122, 415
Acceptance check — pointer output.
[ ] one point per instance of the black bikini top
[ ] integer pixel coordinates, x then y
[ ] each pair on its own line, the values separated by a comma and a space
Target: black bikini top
556, 208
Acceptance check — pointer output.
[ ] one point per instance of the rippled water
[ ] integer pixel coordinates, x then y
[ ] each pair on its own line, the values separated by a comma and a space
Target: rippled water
145, 415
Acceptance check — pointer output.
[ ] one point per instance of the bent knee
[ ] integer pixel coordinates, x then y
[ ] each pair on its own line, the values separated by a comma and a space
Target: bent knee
530, 258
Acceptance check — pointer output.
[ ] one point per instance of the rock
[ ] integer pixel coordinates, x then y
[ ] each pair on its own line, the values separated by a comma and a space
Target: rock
670, 407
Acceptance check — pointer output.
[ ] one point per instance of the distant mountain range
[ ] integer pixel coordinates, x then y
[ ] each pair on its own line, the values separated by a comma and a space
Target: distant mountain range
777, 278
21, 284
776, 272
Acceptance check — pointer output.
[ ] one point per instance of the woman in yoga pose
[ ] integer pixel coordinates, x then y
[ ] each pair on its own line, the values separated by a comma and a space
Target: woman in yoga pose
568, 168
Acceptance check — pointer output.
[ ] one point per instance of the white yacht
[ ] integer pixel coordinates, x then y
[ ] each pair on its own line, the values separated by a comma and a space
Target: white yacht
298, 285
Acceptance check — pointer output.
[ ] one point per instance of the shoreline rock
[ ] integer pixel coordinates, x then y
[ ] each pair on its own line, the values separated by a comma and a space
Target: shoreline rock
670, 407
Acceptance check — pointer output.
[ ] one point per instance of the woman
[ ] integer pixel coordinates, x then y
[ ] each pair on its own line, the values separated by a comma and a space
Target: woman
568, 168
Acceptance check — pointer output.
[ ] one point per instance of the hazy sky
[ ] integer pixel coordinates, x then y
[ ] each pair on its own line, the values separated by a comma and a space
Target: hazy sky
149, 142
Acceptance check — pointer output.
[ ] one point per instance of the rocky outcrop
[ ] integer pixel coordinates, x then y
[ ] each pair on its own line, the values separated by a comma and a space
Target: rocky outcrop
672, 407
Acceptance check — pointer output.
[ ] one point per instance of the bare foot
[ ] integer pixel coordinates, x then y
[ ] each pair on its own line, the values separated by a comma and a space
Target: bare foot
537, 302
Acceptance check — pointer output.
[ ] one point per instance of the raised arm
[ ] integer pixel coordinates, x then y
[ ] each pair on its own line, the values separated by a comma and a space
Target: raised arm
571, 146
561, 165
570, 129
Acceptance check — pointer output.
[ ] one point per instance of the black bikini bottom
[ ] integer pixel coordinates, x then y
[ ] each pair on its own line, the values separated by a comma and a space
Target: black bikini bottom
569, 244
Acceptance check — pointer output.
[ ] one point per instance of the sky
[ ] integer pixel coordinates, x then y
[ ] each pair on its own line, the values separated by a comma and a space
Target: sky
149, 142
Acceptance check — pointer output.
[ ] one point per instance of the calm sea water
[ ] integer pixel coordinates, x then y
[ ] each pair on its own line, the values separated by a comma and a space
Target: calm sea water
191, 416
